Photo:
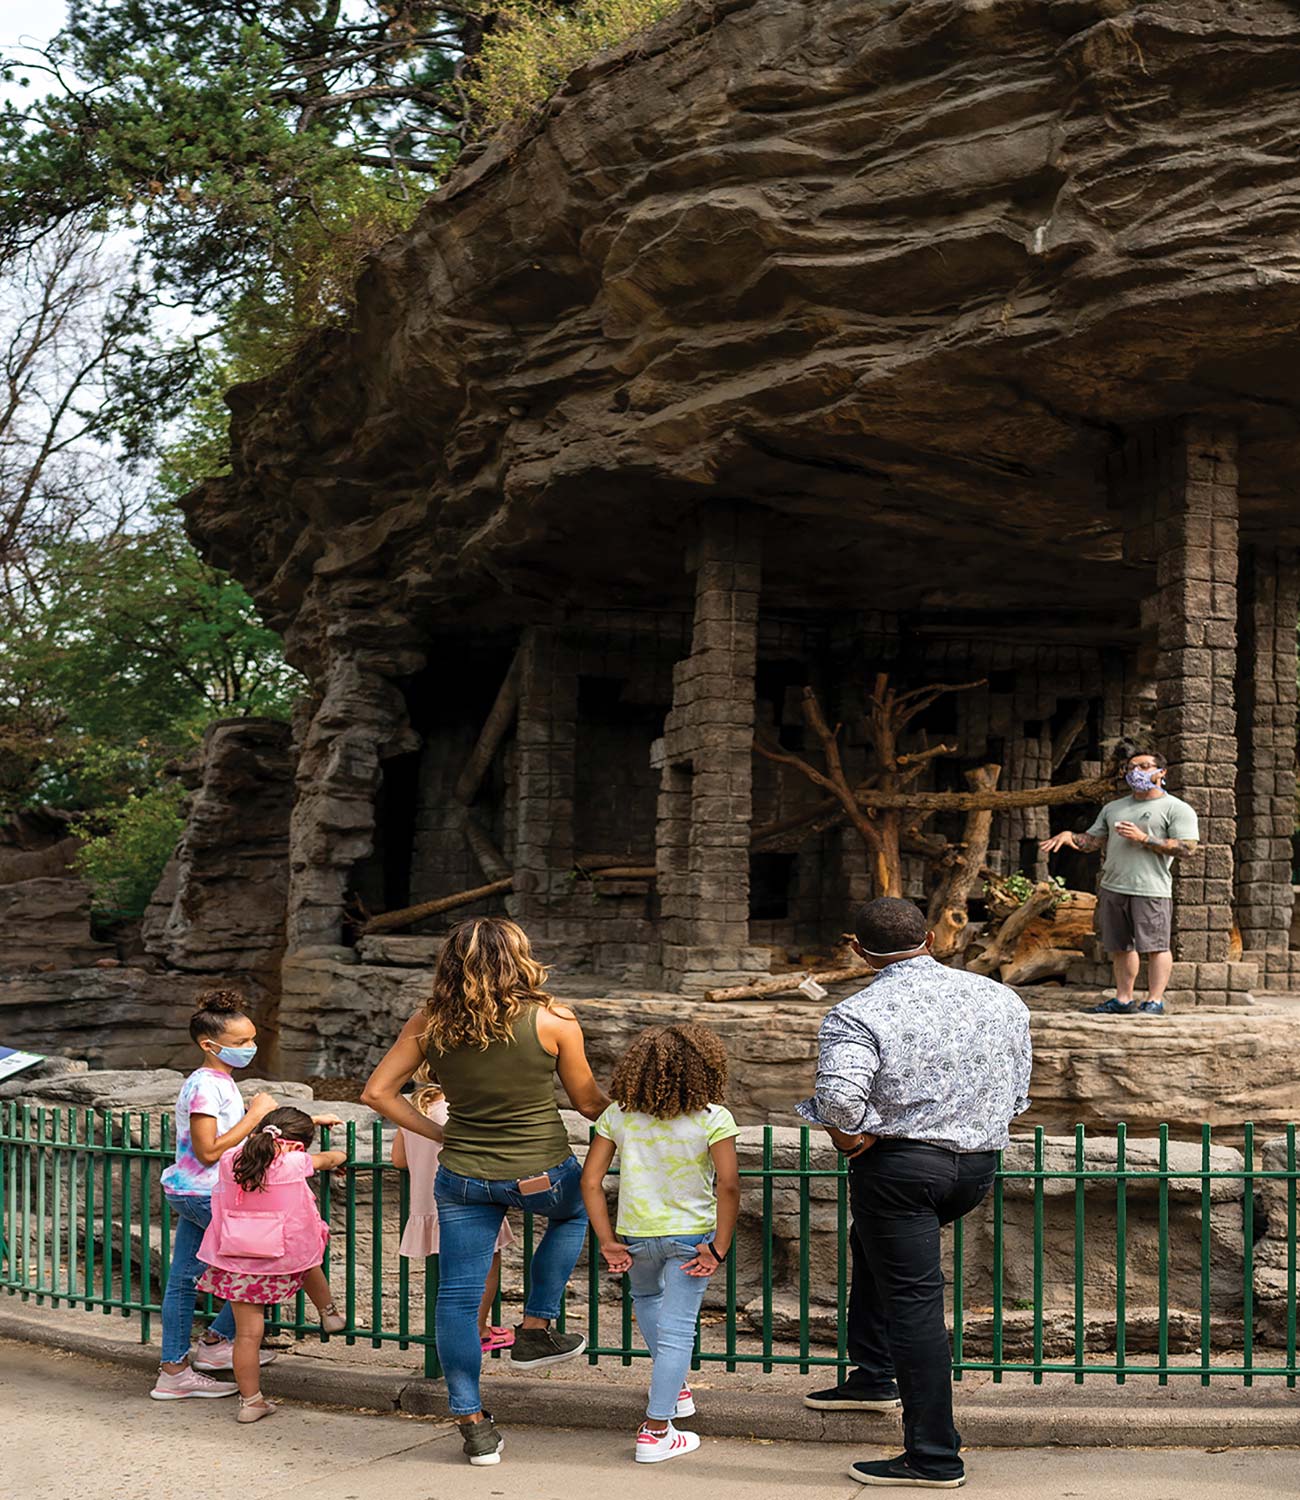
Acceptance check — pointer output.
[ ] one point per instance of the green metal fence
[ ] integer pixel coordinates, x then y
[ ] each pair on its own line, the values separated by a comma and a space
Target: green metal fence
83, 1223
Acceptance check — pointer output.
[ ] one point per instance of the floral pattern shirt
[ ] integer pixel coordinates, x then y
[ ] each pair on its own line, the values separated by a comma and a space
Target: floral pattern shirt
925, 1053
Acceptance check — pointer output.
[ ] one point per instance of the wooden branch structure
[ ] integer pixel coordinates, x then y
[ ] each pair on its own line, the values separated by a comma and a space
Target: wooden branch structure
1094, 789
497, 723
948, 915
390, 921
882, 806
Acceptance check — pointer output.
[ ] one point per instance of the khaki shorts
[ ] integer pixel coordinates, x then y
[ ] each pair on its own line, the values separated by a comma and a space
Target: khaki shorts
1128, 923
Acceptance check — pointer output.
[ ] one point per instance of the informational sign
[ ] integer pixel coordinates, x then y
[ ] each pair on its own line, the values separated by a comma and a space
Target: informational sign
13, 1061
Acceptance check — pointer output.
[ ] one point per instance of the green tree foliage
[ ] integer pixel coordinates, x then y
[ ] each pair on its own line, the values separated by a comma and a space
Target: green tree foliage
128, 848
220, 130
135, 647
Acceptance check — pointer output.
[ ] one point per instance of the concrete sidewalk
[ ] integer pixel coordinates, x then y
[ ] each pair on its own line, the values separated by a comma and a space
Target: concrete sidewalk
747, 1404
74, 1429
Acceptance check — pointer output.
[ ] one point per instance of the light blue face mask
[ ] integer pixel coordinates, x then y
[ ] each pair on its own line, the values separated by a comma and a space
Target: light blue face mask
237, 1057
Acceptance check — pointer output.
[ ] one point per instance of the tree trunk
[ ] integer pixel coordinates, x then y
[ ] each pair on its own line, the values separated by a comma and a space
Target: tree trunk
390, 921
948, 914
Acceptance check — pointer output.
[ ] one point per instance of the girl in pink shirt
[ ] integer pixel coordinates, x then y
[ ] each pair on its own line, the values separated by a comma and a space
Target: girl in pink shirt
267, 1239
418, 1155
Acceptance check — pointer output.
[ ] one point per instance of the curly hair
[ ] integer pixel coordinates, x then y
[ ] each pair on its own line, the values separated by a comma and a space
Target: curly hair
258, 1151
670, 1071
485, 976
214, 1011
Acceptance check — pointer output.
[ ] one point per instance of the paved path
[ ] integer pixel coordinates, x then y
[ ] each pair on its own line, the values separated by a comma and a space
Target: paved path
74, 1429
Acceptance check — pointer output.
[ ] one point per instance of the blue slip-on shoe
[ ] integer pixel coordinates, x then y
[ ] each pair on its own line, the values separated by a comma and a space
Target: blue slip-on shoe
1151, 1008
1112, 1007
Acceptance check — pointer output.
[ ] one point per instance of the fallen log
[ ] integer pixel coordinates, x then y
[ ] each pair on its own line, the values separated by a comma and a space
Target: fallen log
781, 984
1000, 949
389, 921
623, 872
1043, 963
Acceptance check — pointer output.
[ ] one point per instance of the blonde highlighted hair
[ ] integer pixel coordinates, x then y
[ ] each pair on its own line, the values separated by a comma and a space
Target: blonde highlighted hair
426, 1091
485, 977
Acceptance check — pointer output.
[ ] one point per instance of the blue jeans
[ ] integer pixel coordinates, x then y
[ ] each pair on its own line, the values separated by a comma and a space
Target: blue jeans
193, 1215
667, 1303
470, 1211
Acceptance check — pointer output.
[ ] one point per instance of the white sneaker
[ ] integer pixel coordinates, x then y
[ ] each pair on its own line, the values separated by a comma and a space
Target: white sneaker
655, 1447
685, 1403
221, 1356
187, 1383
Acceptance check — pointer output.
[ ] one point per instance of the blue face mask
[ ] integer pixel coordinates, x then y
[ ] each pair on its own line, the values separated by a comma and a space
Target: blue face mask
1142, 780
237, 1057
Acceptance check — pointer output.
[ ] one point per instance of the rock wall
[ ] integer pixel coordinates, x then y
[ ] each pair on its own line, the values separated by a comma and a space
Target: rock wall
1226, 1067
221, 903
863, 263
217, 918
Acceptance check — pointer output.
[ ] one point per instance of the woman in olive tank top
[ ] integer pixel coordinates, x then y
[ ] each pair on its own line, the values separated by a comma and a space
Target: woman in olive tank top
496, 1042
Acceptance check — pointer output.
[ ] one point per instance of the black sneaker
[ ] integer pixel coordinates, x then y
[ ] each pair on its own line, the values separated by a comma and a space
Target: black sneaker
854, 1394
897, 1471
483, 1443
535, 1348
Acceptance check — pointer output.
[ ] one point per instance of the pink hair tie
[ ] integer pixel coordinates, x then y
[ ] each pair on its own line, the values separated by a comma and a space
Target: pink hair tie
272, 1130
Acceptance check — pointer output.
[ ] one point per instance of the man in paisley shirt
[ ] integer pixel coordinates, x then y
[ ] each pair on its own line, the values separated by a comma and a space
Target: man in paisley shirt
918, 1078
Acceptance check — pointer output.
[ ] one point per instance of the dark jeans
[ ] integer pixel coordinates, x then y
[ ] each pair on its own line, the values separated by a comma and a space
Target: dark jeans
901, 1196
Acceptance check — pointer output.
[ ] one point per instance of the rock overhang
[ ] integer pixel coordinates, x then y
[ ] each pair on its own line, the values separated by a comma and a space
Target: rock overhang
898, 275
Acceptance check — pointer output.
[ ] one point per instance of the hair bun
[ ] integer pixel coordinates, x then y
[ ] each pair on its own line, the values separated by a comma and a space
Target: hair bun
221, 1002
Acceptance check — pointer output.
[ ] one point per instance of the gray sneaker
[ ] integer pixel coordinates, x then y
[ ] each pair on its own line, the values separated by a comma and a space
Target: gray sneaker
483, 1443
535, 1348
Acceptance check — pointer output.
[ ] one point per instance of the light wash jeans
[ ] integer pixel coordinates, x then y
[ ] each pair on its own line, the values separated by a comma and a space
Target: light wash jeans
193, 1215
667, 1303
470, 1211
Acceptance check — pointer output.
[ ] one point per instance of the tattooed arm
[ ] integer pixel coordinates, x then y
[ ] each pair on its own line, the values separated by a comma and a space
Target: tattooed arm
1086, 843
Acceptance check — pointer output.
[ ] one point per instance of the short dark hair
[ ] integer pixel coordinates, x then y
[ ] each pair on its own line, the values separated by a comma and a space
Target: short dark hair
1161, 763
890, 925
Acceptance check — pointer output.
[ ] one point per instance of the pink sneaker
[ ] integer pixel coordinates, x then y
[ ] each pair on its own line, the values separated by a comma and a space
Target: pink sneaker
221, 1356
186, 1383
497, 1338
655, 1447
685, 1403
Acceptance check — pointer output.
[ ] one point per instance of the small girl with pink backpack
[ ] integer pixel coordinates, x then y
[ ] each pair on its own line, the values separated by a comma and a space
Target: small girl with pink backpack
267, 1240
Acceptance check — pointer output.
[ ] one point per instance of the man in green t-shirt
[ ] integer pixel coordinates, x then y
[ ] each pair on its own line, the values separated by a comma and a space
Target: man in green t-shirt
1142, 834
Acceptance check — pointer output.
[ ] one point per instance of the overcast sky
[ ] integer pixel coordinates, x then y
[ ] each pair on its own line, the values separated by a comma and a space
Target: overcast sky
27, 23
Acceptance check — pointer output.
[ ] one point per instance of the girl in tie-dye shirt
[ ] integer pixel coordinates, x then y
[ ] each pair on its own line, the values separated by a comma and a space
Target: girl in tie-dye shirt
210, 1119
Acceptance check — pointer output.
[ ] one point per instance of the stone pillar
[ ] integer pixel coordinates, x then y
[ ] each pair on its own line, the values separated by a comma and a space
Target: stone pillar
545, 738
706, 766
1196, 722
1178, 487
1266, 681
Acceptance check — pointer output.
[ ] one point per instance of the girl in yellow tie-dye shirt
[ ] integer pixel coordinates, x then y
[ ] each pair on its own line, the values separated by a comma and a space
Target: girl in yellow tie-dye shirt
678, 1196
